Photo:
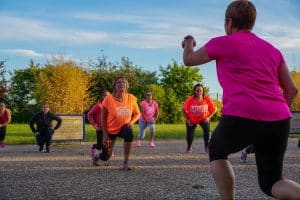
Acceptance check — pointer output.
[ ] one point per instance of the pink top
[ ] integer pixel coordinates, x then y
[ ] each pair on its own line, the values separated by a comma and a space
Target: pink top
149, 109
94, 115
247, 69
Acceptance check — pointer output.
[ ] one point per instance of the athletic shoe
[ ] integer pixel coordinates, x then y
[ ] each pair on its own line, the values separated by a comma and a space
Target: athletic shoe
151, 144
206, 150
188, 150
2, 145
299, 143
93, 154
243, 157
47, 149
138, 143
126, 166
41, 148
96, 163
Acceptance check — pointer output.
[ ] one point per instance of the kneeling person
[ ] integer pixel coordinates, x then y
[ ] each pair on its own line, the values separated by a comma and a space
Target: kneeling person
44, 129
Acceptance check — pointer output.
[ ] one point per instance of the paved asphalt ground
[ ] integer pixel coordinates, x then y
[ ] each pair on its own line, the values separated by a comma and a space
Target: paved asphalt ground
165, 172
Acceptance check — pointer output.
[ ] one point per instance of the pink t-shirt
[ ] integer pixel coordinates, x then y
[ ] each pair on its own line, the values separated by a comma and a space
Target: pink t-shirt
247, 69
149, 109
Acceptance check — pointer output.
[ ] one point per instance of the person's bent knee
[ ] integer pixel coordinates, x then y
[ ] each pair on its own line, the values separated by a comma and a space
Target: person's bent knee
127, 133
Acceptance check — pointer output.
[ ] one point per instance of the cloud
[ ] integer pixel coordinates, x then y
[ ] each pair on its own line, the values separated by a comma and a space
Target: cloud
22, 52
21, 29
33, 54
137, 31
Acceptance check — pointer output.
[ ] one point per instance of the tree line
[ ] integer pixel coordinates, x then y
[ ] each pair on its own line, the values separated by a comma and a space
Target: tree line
73, 88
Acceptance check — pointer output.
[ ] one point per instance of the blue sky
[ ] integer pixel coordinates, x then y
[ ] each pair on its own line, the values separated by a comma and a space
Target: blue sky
149, 33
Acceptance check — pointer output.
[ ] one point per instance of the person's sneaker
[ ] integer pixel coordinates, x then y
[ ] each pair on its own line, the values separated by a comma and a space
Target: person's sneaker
47, 149
96, 162
243, 157
299, 143
138, 143
188, 150
151, 144
93, 154
41, 148
2, 145
206, 149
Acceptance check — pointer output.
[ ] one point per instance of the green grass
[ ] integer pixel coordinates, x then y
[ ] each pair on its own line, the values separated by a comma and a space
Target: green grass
21, 133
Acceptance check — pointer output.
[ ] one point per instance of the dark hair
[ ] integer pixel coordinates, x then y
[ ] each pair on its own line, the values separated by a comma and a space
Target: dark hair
242, 13
102, 94
199, 85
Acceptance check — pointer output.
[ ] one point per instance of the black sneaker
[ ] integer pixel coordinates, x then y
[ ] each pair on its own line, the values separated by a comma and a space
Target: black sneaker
47, 149
299, 143
243, 158
41, 148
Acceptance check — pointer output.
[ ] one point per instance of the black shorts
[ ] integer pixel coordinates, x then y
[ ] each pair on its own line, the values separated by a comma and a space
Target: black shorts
126, 133
269, 139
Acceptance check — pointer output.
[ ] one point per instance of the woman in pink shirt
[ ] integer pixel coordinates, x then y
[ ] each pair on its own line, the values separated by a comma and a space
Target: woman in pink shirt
5, 118
149, 115
257, 93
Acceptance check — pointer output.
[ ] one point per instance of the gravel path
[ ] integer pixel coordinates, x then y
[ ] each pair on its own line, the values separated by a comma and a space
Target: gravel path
165, 172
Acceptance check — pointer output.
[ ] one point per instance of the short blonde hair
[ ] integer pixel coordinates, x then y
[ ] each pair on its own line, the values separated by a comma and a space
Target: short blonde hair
242, 13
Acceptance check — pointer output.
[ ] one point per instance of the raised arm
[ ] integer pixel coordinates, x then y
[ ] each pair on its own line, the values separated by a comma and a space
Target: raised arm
191, 57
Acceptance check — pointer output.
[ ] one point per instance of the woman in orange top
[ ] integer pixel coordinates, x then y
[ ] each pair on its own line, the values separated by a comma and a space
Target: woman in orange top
198, 109
119, 112
5, 118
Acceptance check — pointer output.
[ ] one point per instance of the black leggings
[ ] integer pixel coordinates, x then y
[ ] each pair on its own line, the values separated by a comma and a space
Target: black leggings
2, 133
190, 133
126, 132
99, 135
44, 137
268, 138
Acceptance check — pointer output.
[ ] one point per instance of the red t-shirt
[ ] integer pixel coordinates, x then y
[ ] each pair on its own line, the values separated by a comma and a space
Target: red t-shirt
197, 111
94, 115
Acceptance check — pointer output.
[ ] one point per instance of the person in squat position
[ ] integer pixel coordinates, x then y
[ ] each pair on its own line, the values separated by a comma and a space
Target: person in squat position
149, 115
44, 128
198, 109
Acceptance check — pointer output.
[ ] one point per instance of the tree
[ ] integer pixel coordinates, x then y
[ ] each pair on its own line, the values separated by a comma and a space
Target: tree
172, 107
64, 86
22, 84
296, 77
181, 79
3, 81
104, 73
137, 78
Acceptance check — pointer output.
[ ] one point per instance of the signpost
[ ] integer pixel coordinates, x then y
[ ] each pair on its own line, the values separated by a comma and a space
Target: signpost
295, 123
72, 129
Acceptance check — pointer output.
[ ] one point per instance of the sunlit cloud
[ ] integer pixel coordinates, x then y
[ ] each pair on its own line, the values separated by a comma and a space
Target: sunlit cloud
33, 54
22, 52
33, 30
143, 32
